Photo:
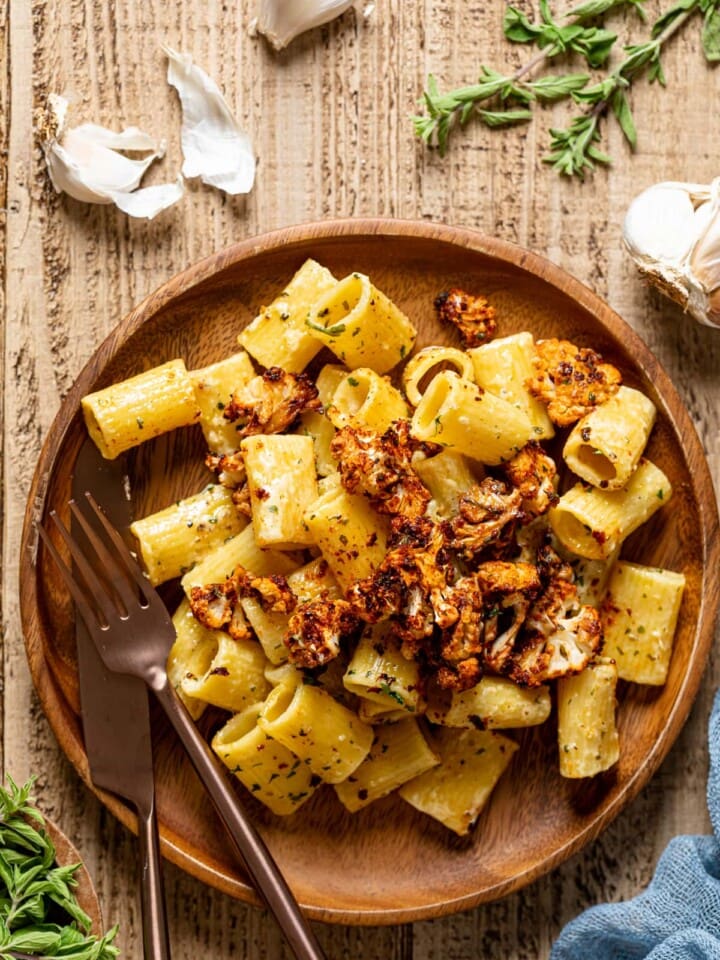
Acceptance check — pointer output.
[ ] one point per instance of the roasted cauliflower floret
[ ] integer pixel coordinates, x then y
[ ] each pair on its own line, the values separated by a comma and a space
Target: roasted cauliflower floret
508, 590
473, 316
216, 607
273, 593
379, 466
533, 474
487, 512
560, 637
461, 642
228, 467
571, 380
317, 629
269, 403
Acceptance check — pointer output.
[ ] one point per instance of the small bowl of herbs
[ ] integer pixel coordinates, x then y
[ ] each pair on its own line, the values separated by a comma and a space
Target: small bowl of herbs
48, 906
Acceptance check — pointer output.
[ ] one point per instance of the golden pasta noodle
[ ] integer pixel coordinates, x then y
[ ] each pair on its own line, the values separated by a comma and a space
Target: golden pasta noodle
174, 539
494, 703
328, 737
457, 414
605, 446
279, 336
503, 367
593, 523
240, 550
399, 753
455, 791
433, 358
447, 475
361, 326
364, 398
587, 733
191, 654
214, 387
639, 615
271, 772
282, 482
378, 672
129, 412
234, 679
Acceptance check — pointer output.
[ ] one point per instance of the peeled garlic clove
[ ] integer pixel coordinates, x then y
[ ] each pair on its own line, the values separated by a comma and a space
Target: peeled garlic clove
213, 145
84, 162
283, 20
672, 232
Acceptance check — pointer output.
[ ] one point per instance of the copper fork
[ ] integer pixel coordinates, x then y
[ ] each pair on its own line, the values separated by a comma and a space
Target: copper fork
133, 633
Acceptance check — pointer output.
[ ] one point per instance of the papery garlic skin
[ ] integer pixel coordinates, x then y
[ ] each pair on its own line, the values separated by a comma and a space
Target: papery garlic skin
84, 162
213, 145
283, 20
672, 232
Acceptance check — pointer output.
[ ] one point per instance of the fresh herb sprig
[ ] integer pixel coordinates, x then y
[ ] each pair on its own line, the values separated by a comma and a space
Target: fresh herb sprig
40, 916
503, 99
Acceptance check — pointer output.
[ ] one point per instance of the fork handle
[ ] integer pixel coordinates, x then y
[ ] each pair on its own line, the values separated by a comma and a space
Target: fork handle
256, 857
156, 944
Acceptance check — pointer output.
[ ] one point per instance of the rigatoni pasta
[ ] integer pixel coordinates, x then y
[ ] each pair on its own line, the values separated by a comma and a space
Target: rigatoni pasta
373, 593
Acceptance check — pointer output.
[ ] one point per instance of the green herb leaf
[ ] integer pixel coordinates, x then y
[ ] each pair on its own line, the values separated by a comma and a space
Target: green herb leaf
556, 87
711, 34
518, 28
621, 109
504, 118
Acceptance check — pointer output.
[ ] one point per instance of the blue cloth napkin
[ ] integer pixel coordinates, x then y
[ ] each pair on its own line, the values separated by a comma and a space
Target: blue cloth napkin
678, 916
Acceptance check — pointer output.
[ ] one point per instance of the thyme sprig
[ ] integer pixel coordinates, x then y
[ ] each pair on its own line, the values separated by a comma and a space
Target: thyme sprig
40, 916
503, 99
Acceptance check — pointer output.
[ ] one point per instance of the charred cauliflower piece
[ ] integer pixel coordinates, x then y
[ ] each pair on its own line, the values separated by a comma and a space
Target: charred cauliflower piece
486, 512
533, 474
461, 642
269, 403
273, 593
316, 630
379, 466
508, 590
216, 607
559, 638
228, 467
473, 316
571, 380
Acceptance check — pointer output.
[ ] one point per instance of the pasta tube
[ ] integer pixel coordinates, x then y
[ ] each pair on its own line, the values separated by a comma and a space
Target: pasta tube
282, 482
380, 673
447, 476
324, 734
361, 325
318, 425
351, 536
639, 616
587, 734
430, 358
471, 763
503, 367
456, 414
214, 387
125, 414
271, 772
605, 446
364, 398
190, 655
172, 540
234, 679
241, 550
593, 523
278, 336
495, 703
399, 753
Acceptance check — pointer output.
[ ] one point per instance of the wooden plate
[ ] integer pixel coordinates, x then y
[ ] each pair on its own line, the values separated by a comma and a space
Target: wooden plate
386, 864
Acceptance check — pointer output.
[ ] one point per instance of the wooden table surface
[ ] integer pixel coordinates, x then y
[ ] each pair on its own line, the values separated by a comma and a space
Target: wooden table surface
329, 122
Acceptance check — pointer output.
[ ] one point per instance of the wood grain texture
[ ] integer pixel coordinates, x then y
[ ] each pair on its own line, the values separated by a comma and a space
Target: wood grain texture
329, 121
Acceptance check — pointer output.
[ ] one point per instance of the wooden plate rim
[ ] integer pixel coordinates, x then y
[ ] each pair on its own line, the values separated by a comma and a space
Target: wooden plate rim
66, 725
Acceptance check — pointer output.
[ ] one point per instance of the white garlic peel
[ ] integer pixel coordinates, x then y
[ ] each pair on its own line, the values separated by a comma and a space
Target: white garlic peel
283, 20
86, 163
672, 232
213, 145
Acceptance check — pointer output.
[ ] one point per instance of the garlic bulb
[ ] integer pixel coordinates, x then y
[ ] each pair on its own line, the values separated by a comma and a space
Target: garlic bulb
283, 20
672, 231
86, 163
